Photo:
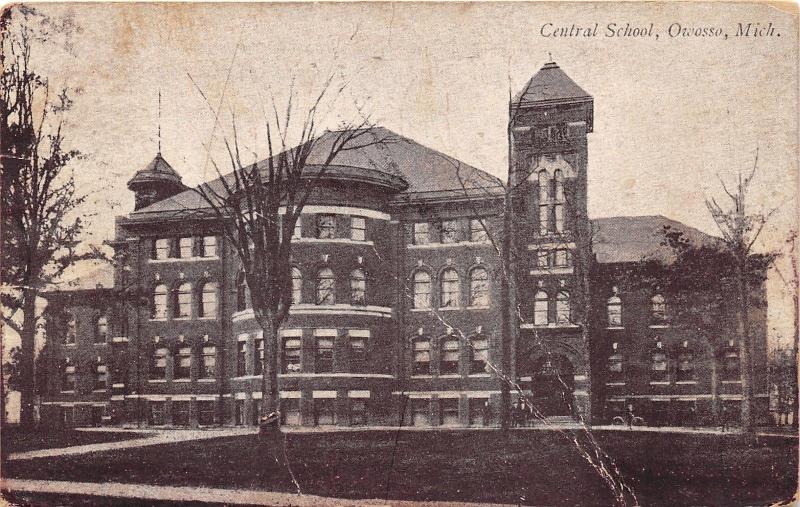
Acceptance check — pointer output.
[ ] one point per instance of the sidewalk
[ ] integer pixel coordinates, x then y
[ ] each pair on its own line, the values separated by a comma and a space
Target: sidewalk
206, 495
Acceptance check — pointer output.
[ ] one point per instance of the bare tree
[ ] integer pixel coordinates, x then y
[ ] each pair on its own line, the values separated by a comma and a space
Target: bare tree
740, 229
257, 207
40, 231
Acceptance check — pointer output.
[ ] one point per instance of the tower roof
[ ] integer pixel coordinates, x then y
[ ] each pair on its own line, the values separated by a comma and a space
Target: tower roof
157, 170
551, 85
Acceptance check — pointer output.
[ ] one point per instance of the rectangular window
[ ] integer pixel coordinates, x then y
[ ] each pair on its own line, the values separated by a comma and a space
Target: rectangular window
358, 354
544, 219
421, 234
258, 356
69, 378
324, 411
101, 334
241, 358
239, 413
326, 226
183, 363
451, 350
161, 249
542, 259
184, 298
297, 232
478, 411
291, 355
72, 330
480, 355
101, 377
209, 369
358, 228
422, 357
186, 248
290, 411
559, 213
449, 231
420, 412
563, 258
477, 231
358, 411
157, 416
209, 246
685, 370
158, 367
324, 359
180, 413
255, 415
448, 411
206, 413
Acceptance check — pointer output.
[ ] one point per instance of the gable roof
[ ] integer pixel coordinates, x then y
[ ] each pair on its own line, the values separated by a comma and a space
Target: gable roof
633, 239
423, 172
551, 84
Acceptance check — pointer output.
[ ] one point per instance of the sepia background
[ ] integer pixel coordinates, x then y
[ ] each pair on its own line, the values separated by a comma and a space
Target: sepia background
671, 115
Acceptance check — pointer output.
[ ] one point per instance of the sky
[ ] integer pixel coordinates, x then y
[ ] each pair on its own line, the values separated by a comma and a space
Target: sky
672, 115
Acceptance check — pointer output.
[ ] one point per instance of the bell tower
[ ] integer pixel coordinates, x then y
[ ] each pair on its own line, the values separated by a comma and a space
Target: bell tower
157, 181
549, 121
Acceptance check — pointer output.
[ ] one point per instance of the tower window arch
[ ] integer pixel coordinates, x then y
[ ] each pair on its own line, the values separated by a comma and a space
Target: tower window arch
422, 289
478, 287
326, 285
358, 287
540, 308
450, 289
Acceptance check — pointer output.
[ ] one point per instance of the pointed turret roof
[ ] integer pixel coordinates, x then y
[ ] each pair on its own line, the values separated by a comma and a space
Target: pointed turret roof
551, 85
157, 170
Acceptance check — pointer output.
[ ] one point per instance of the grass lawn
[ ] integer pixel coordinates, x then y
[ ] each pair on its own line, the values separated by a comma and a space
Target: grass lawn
19, 440
530, 467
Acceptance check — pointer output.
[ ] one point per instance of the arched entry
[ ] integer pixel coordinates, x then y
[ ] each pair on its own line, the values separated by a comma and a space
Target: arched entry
552, 385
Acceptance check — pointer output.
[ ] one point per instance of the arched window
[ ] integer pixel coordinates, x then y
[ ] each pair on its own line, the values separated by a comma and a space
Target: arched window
422, 356
658, 309
208, 300
297, 286
540, 307
422, 290
478, 287
101, 330
563, 308
451, 350
183, 300
450, 289
159, 303
614, 311
544, 187
241, 292
558, 176
325, 287
479, 347
358, 287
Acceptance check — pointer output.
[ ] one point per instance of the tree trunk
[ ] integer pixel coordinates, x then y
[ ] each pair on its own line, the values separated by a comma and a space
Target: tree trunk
507, 312
744, 343
28, 346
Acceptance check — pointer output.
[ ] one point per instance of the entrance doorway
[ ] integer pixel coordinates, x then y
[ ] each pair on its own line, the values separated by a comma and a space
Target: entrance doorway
552, 386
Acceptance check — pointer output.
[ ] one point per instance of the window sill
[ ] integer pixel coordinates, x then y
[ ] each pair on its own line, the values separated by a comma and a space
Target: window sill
450, 375
445, 245
615, 327
450, 308
346, 241
183, 259
157, 319
118, 385
615, 384
70, 344
659, 326
157, 381
685, 382
479, 307
659, 382
206, 318
548, 326
422, 309
101, 343
182, 380
207, 380
182, 318
479, 375
99, 390
731, 381
421, 376
246, 377
552, 271
68, 392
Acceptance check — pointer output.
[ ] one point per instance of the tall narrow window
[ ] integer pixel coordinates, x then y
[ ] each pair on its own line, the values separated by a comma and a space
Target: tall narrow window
358, 354
241, 292
208, 300
479, 348
68, 382
563, 259
478, 287
101, 330
161, 249
297, 286
71, 335
477, 230
209, 366
358, 287
422, 357
421, 233
100, 377
450, 289
448, 363
544, 186
449, 231
186, 247
685, 365
658, 309
158, 364
209, 246
324, 359
159, 304
731, 363
544, 219
241, 358
258, 356
325, 287
422, 290
563, 315
183, 363
183, 299
542, 259
614, 311
358, 228
615, 363
558, 211
658, 366
558, 176
540, 309
326, 226
290, 361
